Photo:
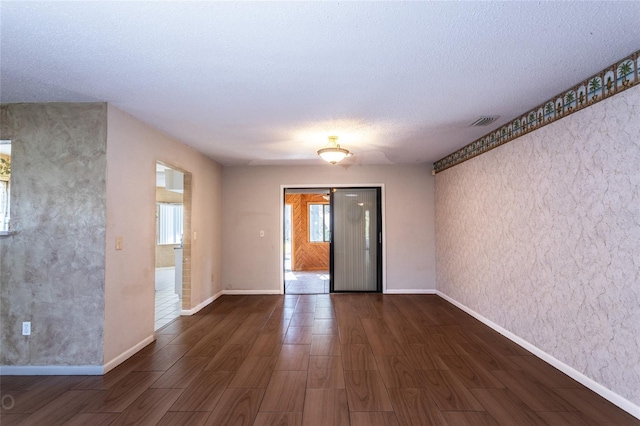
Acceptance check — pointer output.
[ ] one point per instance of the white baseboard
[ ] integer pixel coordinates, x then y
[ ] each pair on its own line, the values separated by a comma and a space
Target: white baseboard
409, 291
50, 370
387, 291
601, 390
127, 354
250, 292
201, 305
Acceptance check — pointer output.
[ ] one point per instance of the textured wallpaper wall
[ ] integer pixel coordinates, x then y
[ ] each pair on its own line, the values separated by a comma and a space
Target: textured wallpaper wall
52, 269
542, 237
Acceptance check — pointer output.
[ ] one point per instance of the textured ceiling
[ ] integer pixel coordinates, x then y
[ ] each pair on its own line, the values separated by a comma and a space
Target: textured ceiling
266, 83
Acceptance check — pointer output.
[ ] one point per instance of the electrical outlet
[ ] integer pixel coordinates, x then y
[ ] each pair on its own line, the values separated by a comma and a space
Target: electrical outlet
26, 328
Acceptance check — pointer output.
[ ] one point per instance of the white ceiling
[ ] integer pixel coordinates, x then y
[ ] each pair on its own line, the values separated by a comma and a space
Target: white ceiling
266, 83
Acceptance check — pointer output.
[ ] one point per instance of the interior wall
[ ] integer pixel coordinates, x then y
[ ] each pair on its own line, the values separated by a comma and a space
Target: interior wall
251, 203
52, 267
307, 256
542, 237
165, 196
165, 255
133, 148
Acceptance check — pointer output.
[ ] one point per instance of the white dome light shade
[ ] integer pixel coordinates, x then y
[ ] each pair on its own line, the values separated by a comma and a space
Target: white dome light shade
333, 153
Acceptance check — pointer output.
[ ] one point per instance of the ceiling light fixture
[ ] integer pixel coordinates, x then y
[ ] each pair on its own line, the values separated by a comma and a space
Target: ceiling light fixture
333, 153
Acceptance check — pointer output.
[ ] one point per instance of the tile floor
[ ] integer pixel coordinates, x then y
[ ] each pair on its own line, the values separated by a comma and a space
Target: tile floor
306, 282
168, 305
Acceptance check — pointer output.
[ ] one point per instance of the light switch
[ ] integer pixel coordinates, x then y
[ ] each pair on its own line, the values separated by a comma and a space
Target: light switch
262, 233
195, 235
118, 243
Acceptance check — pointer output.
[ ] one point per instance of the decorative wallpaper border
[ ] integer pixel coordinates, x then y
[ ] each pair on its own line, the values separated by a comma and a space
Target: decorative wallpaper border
611, 80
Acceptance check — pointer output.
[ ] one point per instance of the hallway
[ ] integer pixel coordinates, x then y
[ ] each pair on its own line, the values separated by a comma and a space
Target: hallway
168, 304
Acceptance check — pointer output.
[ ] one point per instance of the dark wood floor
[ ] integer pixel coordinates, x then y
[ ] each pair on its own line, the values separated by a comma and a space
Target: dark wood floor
364, 359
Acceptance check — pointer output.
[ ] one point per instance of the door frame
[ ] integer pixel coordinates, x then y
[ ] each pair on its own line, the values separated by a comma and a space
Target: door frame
335, 185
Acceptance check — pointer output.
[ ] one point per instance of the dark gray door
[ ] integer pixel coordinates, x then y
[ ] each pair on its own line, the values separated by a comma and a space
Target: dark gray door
356, 240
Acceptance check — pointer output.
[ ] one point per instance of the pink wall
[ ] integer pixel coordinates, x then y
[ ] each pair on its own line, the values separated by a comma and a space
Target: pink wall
133, 148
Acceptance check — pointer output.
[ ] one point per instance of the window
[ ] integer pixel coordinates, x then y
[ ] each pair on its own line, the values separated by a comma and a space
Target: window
319, 230
5, 184
169, 223
4, 205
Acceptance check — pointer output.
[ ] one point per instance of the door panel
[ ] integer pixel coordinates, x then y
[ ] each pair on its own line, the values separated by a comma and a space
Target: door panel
356, 239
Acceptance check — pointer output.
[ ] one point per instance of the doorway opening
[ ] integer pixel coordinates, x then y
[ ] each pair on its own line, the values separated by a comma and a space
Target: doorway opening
306, 241
344, 222
171, 217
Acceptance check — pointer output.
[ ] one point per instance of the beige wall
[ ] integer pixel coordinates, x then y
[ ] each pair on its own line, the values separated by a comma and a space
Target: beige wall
132, 151
164, 196
165, 255
542, 237
251, 202
52, 268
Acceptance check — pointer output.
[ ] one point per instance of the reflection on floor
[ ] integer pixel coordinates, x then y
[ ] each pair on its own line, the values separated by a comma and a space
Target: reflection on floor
168, 304
306, 282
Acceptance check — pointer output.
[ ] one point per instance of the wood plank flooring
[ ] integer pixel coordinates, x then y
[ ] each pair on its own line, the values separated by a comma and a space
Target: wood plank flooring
359, 359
